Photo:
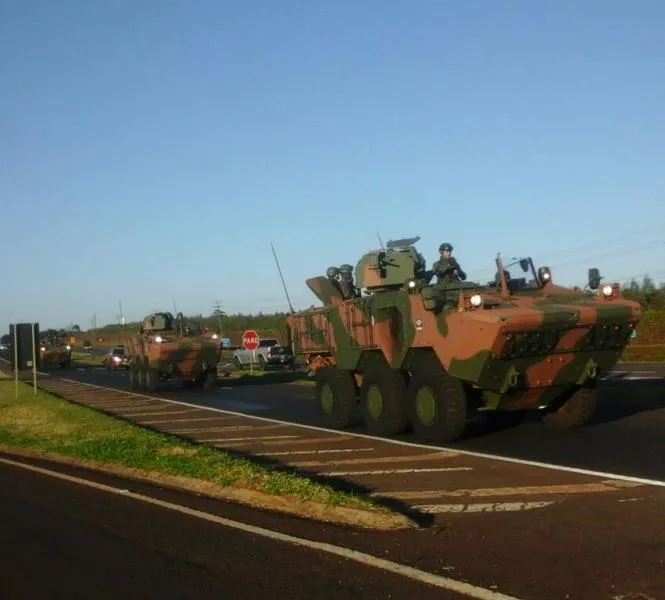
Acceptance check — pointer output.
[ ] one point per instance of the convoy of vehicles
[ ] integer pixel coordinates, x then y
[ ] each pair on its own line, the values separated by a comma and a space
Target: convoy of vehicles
412, 354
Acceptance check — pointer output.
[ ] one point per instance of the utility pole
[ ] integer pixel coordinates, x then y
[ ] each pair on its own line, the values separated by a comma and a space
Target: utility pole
219, 313
122, 318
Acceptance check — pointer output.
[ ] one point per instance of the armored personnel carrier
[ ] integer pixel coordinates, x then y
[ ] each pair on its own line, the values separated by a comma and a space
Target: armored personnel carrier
431, 355
54, 351
164, 348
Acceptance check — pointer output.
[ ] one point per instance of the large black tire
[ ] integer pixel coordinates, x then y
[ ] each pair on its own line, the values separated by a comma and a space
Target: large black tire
151, 378
437, 403
336, 396
210, 379
383, 396
578, 408
134, 379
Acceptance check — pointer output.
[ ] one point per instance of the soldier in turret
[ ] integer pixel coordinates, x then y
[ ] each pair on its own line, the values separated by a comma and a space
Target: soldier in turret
447, 268
346, 283
333, 276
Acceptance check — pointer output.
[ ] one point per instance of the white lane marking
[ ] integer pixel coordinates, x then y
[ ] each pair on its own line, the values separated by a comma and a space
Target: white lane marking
153, 413
179, 420
361, 557
395, 471
250, 439
477, 508
496, 457
534, 490
376, 459
328, 451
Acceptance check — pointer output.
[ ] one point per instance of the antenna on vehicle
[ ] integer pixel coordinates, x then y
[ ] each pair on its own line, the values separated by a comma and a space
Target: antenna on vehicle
282, 278
380, 241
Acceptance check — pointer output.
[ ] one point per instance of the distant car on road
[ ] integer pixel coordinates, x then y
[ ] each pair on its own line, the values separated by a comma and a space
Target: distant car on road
115, 358
269, 352
87, 345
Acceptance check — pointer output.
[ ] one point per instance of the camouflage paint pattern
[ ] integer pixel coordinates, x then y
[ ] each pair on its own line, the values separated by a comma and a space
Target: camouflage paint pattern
54, 350
55, 355
163, 350
521, 347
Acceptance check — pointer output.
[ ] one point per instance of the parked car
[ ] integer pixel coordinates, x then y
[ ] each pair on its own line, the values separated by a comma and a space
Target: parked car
269, 352
115, 358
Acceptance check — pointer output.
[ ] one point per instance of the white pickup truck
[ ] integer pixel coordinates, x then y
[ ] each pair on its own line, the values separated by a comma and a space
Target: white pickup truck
269, 352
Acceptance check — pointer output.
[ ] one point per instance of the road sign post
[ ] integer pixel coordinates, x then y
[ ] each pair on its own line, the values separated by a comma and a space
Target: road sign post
250, 341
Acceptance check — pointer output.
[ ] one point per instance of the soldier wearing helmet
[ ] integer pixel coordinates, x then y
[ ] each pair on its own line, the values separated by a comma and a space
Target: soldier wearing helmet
447, 268
333, 277
346, 284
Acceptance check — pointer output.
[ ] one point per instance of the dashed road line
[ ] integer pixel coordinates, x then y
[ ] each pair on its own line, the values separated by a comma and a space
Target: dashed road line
378, 459
574, 488
396, 471
252, 439
326, 451
481, 508
180, 420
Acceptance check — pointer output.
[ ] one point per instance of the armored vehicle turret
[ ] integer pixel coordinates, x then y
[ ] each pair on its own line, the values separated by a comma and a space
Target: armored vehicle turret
430, 355
168, 348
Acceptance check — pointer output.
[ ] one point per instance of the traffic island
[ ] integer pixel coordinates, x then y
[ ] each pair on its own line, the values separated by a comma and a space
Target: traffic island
44, 426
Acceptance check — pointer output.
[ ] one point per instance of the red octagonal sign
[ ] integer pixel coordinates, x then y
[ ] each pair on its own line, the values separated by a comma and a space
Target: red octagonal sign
250, 340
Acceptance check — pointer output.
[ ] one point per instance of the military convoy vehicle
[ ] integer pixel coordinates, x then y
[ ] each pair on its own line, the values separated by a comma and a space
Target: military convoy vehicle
164, 348
433, 355
54, 351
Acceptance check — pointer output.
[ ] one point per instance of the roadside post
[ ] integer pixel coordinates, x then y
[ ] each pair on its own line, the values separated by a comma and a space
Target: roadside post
250, 341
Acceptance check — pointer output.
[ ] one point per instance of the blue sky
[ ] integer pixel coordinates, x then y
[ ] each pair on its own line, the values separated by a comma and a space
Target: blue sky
152, 150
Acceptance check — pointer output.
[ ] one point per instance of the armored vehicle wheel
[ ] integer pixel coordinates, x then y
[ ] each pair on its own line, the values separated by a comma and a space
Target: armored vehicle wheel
578, 407
238, 362
383, 396
437, 403
134, 380
262, 363
336, 396
210, 379
151, 378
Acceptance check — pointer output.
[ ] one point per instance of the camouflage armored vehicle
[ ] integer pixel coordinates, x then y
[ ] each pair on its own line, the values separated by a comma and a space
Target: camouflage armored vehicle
54, 351
164, 348
431, 355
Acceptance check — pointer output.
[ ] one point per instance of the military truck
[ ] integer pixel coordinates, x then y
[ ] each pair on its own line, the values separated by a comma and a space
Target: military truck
431, 356
166, 348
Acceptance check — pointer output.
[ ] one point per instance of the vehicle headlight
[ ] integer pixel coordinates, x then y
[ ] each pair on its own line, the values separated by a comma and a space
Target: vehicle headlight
43, 348
68, 347
476, 300
214, 336
607, 290
159, 339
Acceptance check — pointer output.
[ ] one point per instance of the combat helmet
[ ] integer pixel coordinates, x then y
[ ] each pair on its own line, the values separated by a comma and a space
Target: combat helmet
332, 272
346, 268
445, 246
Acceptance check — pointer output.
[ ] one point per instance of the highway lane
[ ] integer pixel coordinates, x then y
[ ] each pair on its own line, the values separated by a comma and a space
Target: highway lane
627, 437
67, 541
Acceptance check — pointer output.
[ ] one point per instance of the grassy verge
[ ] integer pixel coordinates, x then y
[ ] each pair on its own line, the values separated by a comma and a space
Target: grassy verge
247, 377
53, 427
82, 358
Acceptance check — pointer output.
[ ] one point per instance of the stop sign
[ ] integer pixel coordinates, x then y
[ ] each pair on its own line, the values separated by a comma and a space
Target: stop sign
250, 340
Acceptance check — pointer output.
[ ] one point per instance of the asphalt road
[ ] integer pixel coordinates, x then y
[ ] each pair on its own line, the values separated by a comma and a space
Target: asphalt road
62, 540
627, 436
531, 532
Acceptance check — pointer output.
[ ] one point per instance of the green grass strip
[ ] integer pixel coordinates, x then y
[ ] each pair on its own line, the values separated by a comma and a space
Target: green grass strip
43, 422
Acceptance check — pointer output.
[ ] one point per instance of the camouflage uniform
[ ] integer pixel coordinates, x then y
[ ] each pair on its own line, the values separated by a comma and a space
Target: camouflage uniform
346, 282
448, 269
